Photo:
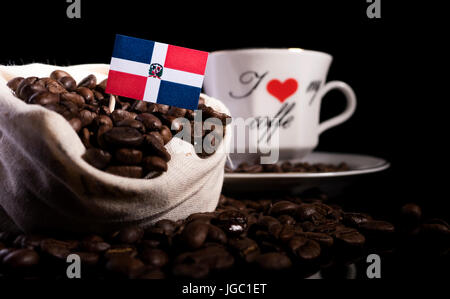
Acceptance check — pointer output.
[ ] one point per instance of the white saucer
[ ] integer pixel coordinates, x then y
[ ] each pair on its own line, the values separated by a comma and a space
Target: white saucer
358, 164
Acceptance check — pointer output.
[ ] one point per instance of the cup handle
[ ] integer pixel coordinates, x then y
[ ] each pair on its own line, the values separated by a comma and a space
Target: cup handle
351, 104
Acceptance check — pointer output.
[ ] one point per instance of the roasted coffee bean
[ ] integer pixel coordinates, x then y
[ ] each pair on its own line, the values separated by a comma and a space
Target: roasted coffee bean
44, 98
128, 156
102, 85
122, 250
194, 234
124, 136
126, 266
126, 171
286, 219
21, 258
95, 246
103, 120
55, 87
14, 83
215, 234
377, 226
97, 157
139, 106
283, 207
273, 261
132, 123
56, 248
157, 136
120, 115
68, 83
321, 238
350, 237
58, 74
411, 213
153, 146
310, 250
154, 163
296, 242
88, 258
195, 271
74, 98
129, 235
76, 124
150, 121
86, 93
168, 226
87, 117
153, 274
233, 223
26, 89
355, 219
177, 112
245, 247
89, 82
155, 257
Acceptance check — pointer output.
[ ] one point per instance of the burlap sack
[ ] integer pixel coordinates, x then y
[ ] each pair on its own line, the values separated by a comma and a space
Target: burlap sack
45, 184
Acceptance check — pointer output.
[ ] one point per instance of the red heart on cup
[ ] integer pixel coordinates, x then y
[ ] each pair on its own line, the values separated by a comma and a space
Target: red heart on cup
282, 90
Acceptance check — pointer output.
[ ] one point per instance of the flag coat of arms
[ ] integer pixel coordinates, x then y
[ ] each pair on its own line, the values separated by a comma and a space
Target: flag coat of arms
156, 72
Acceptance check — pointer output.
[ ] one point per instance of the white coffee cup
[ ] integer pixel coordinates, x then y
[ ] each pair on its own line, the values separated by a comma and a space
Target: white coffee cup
285, 83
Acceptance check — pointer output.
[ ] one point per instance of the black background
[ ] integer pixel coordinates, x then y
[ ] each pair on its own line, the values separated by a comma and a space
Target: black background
395, 64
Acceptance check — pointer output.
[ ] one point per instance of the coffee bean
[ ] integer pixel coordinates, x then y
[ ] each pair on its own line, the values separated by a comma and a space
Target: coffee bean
157, 136
154, 146
377, 226
88, 258
44, 98
355, 219
132, 123
95, 246
321, 238
21, 258
56, 248
273, 261
233, 223
97, 157
126, 266
309, 250
74, 98
26, 89
168, 226
123, 250
195, 271
89, 82
86, 93
155, 257
128, 156
283, 207
177, 112
120, 115
53, 86
103, 120
194, 234
14, 83
68, 83
58, 74
124, 136
129, 235
350, 237
126, 171
87, 117
154, 163
215, 234
411, 213
76, 124
150, 121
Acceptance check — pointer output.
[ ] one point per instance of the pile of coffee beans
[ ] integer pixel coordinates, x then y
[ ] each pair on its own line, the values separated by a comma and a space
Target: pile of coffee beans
122, 136
247, 238
287, 166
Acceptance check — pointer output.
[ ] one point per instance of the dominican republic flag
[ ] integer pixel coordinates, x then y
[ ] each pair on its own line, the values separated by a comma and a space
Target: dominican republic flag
156, 72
